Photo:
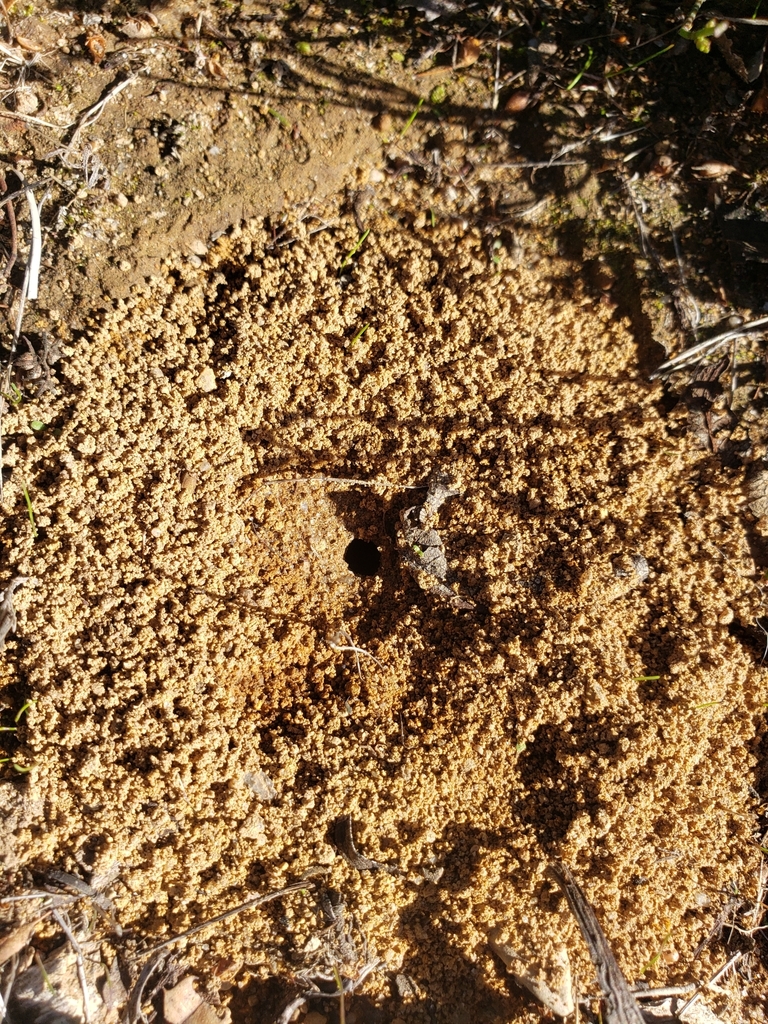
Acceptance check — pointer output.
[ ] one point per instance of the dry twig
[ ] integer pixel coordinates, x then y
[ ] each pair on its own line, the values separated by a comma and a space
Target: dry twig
63, 923
621, 1007
697, 352
731, 963
340, 480
255, 901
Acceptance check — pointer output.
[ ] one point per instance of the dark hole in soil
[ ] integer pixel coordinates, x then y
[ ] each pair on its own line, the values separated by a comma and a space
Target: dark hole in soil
363, 557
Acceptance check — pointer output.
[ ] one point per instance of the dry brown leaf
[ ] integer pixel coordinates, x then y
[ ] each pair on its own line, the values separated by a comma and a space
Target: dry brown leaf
28, 44
214, 68
550, 982
205, 1014
16, 940
140, 26
714, 169
469, 51
759, 104
438, 71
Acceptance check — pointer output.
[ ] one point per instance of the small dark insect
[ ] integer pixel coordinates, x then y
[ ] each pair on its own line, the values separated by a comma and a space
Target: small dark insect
169, 133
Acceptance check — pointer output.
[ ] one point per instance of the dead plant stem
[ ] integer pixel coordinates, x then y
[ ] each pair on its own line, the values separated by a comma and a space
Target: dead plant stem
64, 925
255, 901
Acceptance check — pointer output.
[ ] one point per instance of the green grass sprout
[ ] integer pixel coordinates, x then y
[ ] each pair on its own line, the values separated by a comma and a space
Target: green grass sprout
412, 118
646, 679
587, 66
352, 252
281, 117
340, 985
653, 56
46, 977
15, 397
23, 710
359, 334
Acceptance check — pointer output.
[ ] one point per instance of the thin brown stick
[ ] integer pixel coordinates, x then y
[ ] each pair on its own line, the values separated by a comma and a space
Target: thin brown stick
133, 1009
620, 1005
8, 25
256, 901
28, 119
8, 204
340, 480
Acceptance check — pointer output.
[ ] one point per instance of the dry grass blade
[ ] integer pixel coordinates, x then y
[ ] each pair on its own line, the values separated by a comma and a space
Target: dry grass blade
7, 611
133, 1012
36, 246
697, 352
287, 1015
64, 925
621, 1007
91, 114
256, 901
357, 650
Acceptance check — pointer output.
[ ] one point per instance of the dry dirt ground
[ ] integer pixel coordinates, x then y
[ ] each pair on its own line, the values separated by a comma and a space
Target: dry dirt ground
269, 341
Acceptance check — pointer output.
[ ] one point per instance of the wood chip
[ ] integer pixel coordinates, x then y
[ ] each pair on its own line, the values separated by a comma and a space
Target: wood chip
469, 52
714, 169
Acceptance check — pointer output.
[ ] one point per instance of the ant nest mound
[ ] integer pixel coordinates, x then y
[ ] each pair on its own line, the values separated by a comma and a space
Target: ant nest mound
194, 625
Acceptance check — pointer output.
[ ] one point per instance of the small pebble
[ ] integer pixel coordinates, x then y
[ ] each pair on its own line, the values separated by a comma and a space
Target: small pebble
198, 247
189, 482
121, 200
382, 122
25, 100
207, 380
517, 102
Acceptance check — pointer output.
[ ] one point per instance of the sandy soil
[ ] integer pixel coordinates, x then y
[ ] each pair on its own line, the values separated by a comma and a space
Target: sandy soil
196, 726
240, 396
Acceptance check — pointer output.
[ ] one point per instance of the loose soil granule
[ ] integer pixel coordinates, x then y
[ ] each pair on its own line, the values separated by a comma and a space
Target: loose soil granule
196, 719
